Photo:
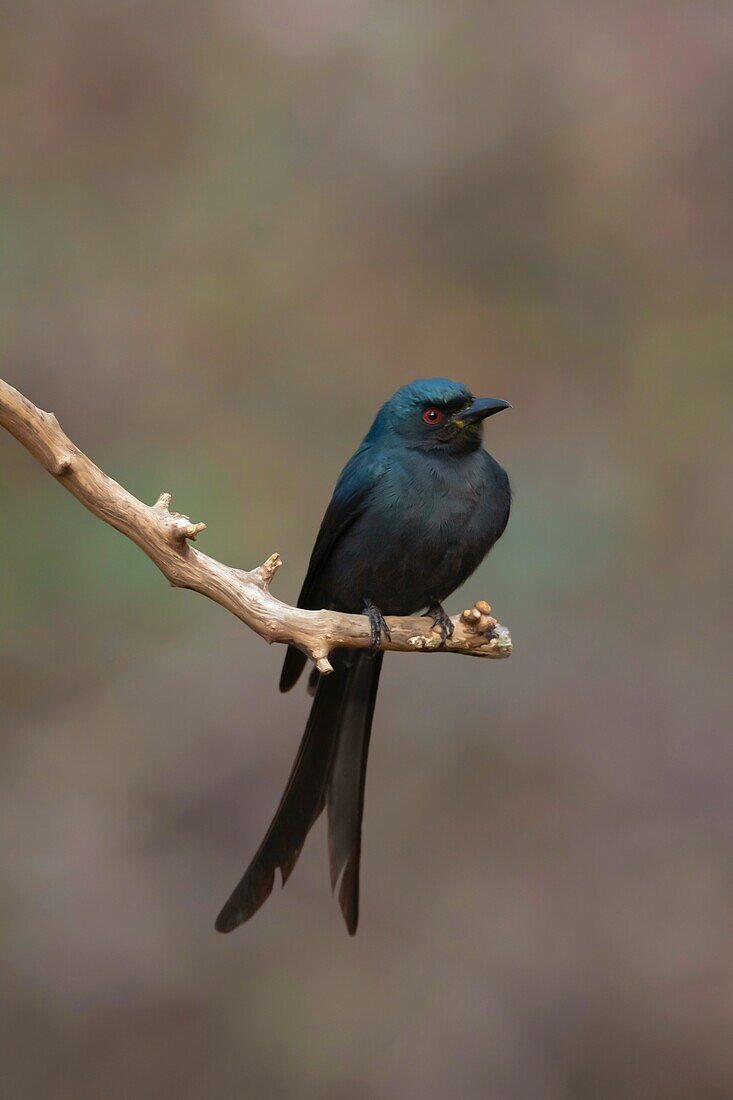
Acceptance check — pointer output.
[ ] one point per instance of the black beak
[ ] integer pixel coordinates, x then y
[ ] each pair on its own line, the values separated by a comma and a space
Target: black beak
479, 409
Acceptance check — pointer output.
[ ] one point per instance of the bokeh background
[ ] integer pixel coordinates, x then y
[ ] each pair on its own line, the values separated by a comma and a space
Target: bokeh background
228, 232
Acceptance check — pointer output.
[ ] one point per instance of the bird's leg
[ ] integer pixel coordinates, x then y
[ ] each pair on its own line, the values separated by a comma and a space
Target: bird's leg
441, 620
377, 624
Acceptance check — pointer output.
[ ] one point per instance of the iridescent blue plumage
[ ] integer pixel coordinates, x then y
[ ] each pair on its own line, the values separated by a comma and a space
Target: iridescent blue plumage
413, 513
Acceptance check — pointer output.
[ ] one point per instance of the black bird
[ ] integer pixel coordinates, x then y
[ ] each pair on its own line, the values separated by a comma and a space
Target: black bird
413, 514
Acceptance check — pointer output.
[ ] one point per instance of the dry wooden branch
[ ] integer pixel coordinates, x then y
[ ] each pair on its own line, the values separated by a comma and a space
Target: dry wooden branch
164, 536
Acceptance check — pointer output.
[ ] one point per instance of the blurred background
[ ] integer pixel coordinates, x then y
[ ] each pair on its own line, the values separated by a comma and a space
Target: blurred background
227, 233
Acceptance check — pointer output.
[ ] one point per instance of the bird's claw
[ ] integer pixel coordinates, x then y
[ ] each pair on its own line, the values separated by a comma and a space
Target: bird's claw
442, 621
377, 626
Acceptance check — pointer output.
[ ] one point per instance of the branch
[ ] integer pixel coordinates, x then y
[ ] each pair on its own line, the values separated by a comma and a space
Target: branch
165, 535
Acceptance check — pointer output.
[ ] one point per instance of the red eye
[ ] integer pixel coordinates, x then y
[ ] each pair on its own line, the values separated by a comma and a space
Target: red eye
432, 416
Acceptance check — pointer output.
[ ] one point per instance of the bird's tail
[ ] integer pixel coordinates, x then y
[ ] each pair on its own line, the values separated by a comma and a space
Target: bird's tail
330, 768
345, 790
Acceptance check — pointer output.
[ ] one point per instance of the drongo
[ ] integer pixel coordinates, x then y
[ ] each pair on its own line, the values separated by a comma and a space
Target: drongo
414, 512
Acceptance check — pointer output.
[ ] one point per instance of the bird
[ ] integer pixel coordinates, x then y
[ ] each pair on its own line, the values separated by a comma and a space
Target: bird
414, 512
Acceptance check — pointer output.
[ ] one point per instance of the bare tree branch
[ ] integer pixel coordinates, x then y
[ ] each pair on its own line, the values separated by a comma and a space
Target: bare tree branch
164, 536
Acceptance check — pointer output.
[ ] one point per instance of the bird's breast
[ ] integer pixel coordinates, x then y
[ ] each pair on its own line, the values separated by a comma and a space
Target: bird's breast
421, 535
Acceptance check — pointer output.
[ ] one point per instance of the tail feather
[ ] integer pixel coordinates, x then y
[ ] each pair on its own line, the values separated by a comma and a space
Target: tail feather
299, 807
345, 791
330, 769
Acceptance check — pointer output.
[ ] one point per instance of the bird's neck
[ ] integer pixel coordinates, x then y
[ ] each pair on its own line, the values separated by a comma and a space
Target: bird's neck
462, 447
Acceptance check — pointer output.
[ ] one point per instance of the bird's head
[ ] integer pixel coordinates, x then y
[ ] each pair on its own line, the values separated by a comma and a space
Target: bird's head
436, 414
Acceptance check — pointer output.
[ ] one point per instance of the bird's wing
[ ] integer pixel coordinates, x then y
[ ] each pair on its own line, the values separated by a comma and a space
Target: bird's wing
357, 480
361, 474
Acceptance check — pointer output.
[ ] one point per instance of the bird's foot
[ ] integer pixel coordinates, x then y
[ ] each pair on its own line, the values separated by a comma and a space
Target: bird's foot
377, 625
441, 621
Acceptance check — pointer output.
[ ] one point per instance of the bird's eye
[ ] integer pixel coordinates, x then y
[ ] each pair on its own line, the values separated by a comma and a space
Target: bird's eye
432, 416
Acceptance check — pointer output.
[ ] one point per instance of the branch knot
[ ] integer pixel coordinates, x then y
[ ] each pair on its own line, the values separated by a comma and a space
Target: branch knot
264, 573
178, 526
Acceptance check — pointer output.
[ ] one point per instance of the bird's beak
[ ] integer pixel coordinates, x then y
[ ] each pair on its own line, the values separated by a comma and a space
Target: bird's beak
479, 409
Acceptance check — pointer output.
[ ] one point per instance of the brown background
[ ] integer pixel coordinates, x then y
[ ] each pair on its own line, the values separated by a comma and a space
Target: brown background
227, 232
